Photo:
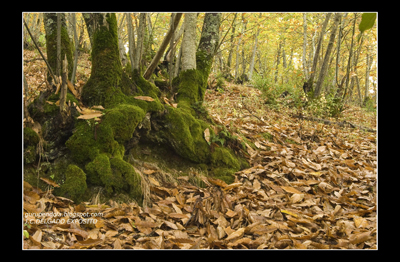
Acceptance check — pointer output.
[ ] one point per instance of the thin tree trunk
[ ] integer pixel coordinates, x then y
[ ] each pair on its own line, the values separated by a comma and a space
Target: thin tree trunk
305, 46
237, 50
139, 44
76, 53
131, 38
317, 51
324, 67
368, 69
58, 68
278, 59
350, 56
160, 52
229, 63
254, 53
50, 26
189, 42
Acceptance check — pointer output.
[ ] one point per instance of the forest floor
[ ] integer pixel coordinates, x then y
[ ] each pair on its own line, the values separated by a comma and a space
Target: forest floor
310, 186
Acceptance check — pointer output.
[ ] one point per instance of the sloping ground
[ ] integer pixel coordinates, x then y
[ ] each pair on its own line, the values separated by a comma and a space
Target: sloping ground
311, 186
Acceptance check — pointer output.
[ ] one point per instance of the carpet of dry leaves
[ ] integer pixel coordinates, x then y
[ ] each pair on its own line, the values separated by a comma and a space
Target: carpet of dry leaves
310, 186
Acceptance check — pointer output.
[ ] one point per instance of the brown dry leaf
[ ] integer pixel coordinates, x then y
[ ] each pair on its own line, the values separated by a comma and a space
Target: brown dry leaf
90, 116
117, 244
291, 190
217, 182
144, 98
49, 181
359, 237
236, 234
207, 135
325, 187
88, 243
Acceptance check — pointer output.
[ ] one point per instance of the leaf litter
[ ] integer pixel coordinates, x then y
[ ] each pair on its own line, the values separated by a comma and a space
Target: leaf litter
310, 186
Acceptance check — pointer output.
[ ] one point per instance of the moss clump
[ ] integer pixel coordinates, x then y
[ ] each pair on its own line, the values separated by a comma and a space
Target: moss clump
75, 183
99, 172
125, 178
186, 135
123, 120
99, 147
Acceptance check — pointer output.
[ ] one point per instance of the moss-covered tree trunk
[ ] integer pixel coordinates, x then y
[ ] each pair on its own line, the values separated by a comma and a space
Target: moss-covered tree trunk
50, 26
98, 150
193, 83
107, 81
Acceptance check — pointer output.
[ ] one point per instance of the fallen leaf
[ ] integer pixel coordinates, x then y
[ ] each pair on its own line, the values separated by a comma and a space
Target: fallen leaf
238, 233
207, 135
49, 181
144, 98
90, 116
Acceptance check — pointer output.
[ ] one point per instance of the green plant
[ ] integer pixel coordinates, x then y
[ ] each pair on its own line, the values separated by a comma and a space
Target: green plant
324, 106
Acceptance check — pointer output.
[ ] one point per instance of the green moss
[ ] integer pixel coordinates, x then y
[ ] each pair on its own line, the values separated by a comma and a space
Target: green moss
188, 85
186, 135
225, 174
99, 172
108, 84
82, 143
123, 120
224, 157
75, 183
126, 178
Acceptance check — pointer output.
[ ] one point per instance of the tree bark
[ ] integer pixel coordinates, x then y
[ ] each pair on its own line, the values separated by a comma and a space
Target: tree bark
139, 43
305, 46
76, 53
237, 49
50, 22
160, 52
189, 42
324, 67
254, 53
344, 94
192, 83
107, 80
131, 38
317, 51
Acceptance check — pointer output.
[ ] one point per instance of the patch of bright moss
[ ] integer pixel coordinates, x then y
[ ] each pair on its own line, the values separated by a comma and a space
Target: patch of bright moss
75, 183
186, 135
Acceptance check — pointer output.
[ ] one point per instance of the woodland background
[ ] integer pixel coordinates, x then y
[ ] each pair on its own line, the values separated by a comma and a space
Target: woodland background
276, 48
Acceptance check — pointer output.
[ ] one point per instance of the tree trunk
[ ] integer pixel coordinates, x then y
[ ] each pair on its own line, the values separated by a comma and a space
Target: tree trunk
324, 67
229, 63
161, 50
139, 43
107, 81
131, 38
254, 53
368, 69
305, 46
50, 22
189, 42
237, 49
192, 83
349, 61
76, 53
317, 51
